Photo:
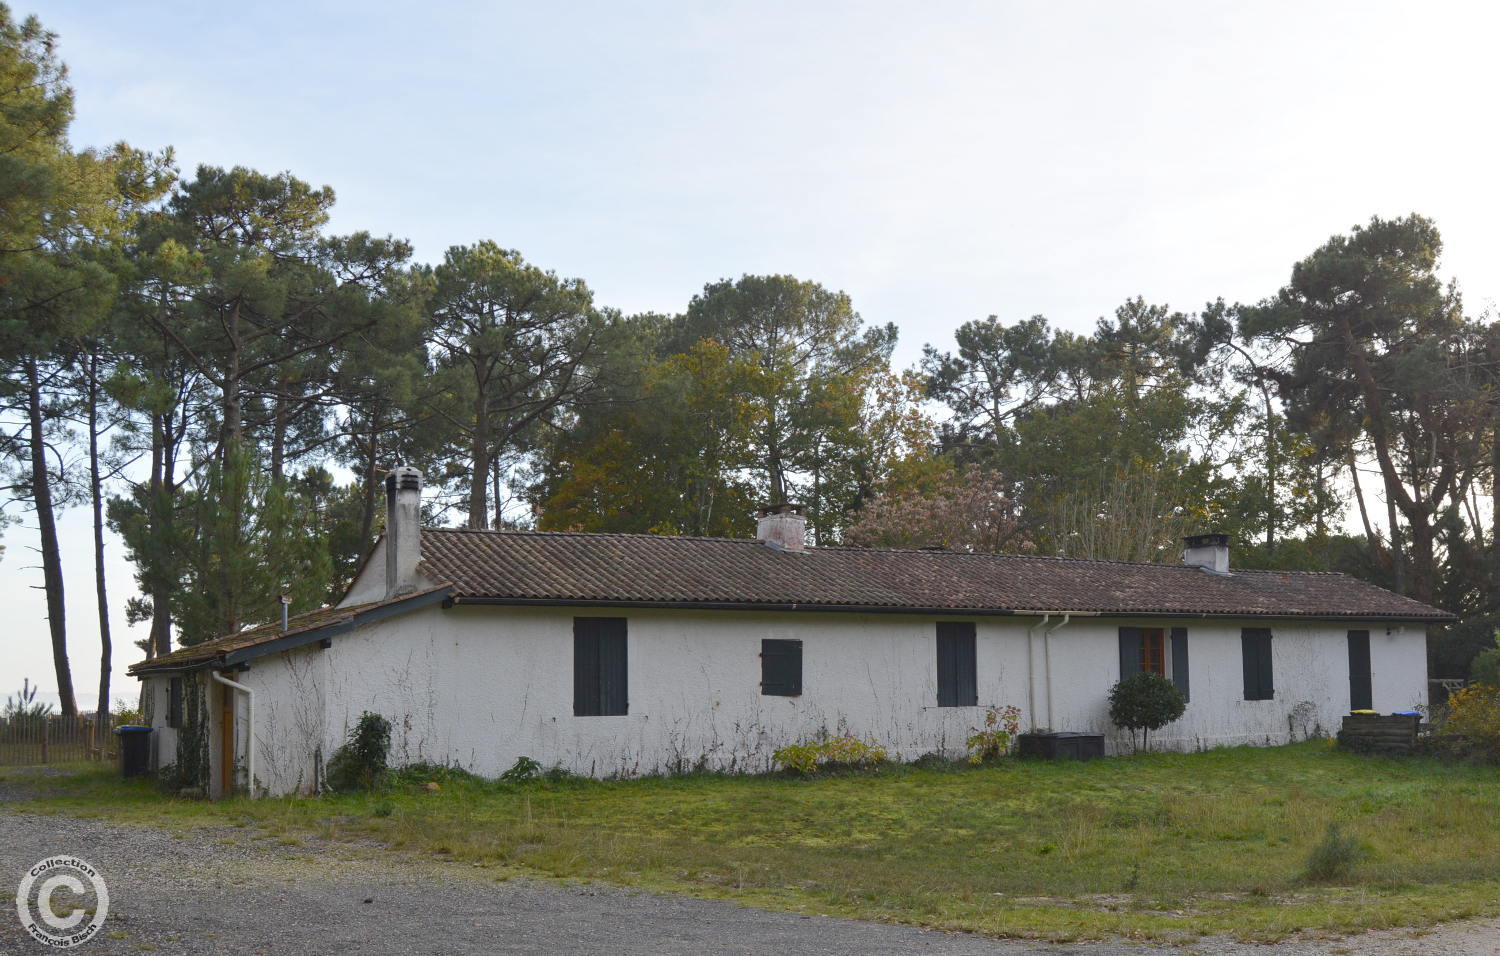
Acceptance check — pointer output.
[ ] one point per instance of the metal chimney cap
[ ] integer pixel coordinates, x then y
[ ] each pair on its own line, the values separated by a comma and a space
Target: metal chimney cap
403, 477
765, 511
1215, 540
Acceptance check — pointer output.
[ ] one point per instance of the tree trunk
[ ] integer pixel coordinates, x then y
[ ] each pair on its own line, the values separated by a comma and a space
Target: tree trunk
233, 486
52, 577
775, 469
498, 488
367, 515
234, 414
278, 438
479, 477
160, 641
1495, 497
1398, 564
1271, 476
1359, 497
101, 593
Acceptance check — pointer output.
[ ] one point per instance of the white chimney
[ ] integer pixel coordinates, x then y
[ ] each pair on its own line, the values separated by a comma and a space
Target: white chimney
1207, 551
403, 530
782, 526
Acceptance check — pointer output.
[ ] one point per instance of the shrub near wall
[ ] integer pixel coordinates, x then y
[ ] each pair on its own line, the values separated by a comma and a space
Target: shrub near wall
843, 752
1473, 726
1145, 702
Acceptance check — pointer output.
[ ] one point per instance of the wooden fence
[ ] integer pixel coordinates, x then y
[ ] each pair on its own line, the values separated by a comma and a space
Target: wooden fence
28, 740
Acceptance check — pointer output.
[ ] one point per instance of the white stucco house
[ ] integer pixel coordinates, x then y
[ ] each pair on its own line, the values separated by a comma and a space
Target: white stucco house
634, 654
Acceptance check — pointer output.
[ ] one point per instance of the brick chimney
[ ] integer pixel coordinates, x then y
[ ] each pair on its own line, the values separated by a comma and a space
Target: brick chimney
782, 526
403, 530
1207, 551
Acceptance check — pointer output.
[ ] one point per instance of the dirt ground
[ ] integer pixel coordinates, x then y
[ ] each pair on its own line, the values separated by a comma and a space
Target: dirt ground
227, 891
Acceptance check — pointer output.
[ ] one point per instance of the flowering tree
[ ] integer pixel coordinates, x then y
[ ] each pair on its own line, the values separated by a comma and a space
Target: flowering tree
962, 510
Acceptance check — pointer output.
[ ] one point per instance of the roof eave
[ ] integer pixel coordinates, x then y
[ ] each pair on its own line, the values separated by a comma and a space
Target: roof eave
242, 655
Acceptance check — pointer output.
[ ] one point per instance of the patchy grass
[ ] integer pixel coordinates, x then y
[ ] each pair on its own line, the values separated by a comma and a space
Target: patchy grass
1159, 845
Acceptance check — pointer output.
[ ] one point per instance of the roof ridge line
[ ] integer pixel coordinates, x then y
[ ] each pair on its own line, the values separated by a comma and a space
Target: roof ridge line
1010, 555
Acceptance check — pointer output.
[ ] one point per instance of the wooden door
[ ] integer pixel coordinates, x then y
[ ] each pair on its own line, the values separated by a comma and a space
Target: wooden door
1360, 696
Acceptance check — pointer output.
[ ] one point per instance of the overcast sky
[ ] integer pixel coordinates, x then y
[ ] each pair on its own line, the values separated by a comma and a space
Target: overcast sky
939, 162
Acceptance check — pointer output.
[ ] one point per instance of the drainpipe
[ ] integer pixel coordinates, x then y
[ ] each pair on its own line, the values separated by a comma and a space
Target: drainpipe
1031, 669
249, 726
1047, 660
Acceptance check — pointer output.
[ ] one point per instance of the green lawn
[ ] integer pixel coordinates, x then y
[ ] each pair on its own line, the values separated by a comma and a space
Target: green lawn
1162, 845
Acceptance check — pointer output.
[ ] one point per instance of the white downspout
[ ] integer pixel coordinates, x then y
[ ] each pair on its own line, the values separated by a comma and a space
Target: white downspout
1031, 670
1047, 659
249, 727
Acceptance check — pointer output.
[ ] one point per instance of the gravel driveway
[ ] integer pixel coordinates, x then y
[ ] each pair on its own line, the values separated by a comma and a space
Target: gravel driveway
224, 890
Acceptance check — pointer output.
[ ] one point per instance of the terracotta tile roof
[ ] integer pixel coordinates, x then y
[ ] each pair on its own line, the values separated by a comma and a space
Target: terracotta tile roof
220, 649
554, 567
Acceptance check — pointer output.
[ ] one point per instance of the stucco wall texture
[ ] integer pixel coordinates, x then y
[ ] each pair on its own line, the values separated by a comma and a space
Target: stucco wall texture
482, 686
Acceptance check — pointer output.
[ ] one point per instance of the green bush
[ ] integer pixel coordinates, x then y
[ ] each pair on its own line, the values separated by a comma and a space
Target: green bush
1485, 668
1472, 729
932, 760
424, 772
1145, 702
843, 752
522, 770
360, 764
992, 741
798, 758
1334, 856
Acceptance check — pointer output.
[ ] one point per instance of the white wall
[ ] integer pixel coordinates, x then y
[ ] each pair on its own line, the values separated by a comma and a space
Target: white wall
481, 686
1310, 668
369, 584
156, 701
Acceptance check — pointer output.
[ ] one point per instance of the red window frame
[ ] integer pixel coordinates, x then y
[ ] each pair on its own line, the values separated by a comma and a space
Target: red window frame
1154, 650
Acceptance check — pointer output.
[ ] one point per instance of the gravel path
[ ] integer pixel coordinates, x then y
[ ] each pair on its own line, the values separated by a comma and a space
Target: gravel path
226, 890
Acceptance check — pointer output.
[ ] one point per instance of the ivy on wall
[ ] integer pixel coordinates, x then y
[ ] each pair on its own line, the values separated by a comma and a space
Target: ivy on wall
191, 769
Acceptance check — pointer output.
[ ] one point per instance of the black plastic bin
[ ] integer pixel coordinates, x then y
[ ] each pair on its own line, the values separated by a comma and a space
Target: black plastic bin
135, 750
1062, 745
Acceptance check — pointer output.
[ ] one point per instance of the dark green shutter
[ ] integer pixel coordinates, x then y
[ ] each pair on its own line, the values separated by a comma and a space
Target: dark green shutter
1267, 678
947, 669
781, 667
174, 703
585, 667
958, 680
1361, 696
1180, 661
599, 667
614, 697
1130, 651
1255, 651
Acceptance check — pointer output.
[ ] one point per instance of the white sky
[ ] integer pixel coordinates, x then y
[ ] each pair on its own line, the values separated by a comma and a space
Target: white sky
939, 162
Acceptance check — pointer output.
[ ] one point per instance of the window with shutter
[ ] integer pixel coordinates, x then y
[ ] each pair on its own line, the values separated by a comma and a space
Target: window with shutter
781, 668
600, 687
1255, 648
958, 679
1143, 649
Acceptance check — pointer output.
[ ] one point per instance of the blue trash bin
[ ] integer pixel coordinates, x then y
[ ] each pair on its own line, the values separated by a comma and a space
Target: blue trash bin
135, 750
